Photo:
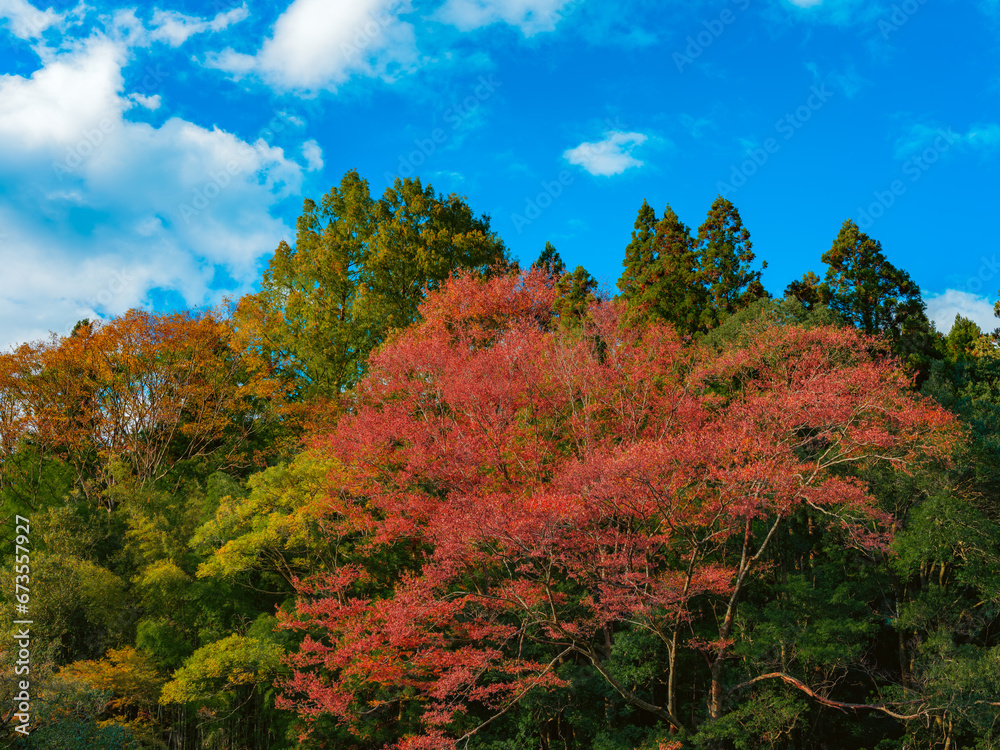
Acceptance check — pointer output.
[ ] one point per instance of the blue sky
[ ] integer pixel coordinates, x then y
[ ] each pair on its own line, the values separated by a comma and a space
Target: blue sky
155, 156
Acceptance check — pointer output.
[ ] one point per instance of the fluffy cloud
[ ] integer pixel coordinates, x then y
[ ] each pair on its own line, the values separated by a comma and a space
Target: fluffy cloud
317, 44
610, 156
530, 16
26, 21
108, 209
313, 155
176, 28
943, 308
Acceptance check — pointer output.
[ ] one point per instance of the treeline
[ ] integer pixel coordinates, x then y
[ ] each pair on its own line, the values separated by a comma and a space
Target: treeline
413, 494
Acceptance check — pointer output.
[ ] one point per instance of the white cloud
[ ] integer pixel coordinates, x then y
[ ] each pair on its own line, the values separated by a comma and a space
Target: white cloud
175, 28
26, 21
107, 209
943, 308
530, 16
610, 156
313, 155
64, 99
318, 44
149, 102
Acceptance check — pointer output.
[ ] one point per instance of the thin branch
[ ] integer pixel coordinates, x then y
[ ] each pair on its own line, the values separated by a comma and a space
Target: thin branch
841, 705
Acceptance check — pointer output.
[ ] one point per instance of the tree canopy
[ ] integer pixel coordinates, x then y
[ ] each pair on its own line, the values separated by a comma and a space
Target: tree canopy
360, 268
408, 496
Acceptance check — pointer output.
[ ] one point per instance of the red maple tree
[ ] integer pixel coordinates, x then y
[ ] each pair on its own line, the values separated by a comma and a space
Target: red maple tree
518, 482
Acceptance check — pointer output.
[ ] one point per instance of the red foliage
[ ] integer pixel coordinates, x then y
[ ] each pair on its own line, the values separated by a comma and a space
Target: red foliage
553, 483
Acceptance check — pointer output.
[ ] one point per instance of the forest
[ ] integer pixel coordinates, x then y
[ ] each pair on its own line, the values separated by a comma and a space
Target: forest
414, 494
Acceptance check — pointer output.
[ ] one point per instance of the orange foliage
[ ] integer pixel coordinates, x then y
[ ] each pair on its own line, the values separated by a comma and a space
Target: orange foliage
142, 389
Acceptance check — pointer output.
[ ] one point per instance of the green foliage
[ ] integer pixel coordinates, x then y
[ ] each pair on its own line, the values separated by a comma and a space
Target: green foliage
359, 269
82, 735
273, 528
662, 279
970, 388
164, 640
955, 538
639, 254
230, 682
162, 586
807, 290
817, 622
80, 608
726, 264
217, 669
767, 719
966, 340
584, 714
691, 284
31, 481
74, 529
745, 325
550, 261
575, 295
876, 297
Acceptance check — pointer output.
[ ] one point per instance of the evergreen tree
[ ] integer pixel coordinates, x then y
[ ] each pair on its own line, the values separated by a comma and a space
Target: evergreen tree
725, 260
807, 290
638, 254
876, 297
575, 293
660, 281
359, 269
550, 261
965, 340
995, 334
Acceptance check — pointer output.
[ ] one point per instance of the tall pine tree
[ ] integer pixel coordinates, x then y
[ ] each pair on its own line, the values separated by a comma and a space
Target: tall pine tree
550, 261
660, 281
360, 268
638, 254
876, 297
576, 293
725, 264
806, 290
